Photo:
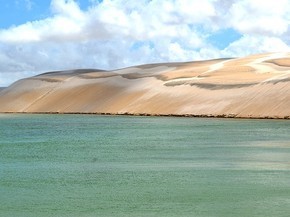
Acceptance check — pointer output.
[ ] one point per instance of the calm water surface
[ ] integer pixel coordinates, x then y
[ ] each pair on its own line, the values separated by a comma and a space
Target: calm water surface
85, 165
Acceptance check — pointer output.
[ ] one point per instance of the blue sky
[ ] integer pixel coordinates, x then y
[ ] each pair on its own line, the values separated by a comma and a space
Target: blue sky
16, 12
43, 35
22, 11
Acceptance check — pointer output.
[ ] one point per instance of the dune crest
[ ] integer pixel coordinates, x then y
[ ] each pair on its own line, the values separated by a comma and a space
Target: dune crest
256, 86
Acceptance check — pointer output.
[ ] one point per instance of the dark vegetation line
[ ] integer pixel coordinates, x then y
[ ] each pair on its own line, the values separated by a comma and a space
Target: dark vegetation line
232, 116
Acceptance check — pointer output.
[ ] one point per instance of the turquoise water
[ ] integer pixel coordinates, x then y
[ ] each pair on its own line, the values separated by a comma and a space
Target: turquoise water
86, 165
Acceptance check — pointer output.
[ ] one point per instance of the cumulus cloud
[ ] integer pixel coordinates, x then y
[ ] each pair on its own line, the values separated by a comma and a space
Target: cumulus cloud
259, 44
116, 33
260, 17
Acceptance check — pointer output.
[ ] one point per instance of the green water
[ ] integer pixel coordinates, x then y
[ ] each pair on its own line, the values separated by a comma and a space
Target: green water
86, 166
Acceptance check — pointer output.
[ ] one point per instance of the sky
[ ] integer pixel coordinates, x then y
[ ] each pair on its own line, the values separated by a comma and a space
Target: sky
37, 36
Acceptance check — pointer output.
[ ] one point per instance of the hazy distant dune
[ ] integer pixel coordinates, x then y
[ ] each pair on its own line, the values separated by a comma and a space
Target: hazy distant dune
256, 86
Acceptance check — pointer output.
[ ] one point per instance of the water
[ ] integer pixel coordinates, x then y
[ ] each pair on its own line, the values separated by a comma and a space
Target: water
86, 166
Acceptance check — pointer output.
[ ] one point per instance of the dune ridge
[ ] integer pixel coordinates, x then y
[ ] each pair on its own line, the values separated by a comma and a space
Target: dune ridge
256, 86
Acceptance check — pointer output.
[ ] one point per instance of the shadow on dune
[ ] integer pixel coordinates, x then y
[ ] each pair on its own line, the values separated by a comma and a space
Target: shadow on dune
70, 72
211, 86
283, 62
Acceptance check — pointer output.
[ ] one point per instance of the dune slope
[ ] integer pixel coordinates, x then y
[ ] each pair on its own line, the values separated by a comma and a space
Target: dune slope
256, 86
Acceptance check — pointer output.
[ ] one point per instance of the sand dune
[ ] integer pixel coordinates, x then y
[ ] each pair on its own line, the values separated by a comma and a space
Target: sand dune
256, 86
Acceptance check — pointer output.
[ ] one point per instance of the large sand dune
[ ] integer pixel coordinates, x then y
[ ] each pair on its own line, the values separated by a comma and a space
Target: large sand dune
256, 86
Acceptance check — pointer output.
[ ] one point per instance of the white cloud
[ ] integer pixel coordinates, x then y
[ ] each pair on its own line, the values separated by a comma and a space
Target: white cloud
117, 33
259, 44
65, 24
266, 17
